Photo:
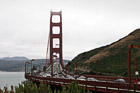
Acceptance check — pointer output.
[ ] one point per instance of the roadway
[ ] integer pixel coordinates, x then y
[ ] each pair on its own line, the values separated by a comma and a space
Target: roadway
90, 82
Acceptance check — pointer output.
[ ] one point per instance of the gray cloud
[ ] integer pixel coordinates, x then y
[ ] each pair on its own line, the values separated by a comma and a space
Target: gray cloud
87, 24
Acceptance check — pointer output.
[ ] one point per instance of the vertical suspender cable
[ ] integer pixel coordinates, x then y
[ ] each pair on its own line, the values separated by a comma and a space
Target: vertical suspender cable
47, 50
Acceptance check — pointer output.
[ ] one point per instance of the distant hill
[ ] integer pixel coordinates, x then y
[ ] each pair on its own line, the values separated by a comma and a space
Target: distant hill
112, 59
15, 58
18, 63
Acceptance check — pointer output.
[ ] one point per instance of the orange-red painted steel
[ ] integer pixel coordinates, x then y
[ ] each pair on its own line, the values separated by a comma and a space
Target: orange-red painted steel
129, 60
55, 36
104, 86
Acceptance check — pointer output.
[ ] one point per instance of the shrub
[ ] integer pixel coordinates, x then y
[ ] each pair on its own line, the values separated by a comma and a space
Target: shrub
30, 87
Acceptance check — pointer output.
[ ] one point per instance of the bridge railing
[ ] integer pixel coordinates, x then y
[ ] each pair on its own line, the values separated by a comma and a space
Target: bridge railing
92, 85
110, 78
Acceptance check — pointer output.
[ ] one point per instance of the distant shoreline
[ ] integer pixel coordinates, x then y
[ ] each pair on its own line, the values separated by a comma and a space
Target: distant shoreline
2, 71
11, 71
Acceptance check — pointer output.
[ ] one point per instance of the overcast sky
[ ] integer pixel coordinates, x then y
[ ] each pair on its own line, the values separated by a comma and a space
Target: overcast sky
87, 24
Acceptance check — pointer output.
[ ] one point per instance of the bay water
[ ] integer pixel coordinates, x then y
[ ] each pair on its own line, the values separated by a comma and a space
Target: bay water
11, 78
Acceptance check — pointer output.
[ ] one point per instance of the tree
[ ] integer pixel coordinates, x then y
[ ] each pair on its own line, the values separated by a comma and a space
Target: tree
75, 88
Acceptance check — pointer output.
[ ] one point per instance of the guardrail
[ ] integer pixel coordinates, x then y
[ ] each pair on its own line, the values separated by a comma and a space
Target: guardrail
109, 78
104, 86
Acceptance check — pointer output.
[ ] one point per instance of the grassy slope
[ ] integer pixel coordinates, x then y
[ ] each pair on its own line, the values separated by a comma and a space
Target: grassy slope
112, 59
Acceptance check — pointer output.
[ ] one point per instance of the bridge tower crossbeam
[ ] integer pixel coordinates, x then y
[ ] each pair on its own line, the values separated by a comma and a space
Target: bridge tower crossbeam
56, 36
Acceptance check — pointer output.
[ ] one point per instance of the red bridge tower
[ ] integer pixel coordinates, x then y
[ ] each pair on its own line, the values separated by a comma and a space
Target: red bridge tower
56, 39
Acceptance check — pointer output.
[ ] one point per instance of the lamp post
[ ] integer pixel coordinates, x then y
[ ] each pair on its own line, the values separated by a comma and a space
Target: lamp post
76, 66
26, 66
136, 73
31, 65
129, 61
68, 69
96, 67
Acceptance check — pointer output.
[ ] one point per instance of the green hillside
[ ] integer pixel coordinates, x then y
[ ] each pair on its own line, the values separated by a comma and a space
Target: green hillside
112, 59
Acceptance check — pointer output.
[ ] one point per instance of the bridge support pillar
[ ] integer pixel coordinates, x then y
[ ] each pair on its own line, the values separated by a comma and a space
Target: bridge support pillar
56, 39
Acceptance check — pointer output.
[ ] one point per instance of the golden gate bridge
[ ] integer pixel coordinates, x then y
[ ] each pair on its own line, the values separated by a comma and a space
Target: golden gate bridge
55, 74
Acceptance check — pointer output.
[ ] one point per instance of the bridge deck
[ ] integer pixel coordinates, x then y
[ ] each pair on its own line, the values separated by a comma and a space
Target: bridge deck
104, 86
